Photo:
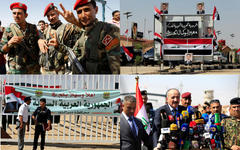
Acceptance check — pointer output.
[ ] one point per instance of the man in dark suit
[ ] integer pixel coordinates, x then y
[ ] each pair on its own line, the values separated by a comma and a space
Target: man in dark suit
171, 108
132, 131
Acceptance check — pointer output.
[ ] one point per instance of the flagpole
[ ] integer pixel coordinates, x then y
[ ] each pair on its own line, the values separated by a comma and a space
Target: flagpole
137, 78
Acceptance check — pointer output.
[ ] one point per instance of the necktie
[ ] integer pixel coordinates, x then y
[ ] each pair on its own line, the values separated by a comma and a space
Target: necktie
133, 127
174, 112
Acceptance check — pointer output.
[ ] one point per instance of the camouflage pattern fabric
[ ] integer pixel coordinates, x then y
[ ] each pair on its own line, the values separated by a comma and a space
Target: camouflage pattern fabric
98, 49
231, 133
23, 57
54, 61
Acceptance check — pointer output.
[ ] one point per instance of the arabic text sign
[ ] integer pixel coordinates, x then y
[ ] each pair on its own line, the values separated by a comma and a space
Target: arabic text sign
73, 101
186, 29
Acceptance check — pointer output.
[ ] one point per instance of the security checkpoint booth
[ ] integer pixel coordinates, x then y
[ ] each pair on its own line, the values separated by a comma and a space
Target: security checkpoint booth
85, 109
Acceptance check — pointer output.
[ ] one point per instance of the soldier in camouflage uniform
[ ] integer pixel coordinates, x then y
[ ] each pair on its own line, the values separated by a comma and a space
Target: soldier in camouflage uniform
98, 46
51, 60
19, 41
232, 126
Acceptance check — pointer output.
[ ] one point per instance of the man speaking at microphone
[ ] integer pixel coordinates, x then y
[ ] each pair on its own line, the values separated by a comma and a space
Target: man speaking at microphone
132, 131
172, 108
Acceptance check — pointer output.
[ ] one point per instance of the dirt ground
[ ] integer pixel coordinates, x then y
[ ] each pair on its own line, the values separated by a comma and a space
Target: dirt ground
58, 146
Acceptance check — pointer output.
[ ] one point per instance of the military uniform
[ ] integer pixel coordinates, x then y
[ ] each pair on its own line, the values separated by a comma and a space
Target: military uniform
23, 57
97, 48
231, 132
42, 116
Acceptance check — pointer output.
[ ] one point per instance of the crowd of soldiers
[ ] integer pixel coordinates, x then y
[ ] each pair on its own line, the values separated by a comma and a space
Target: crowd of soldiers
175, 126
83, 46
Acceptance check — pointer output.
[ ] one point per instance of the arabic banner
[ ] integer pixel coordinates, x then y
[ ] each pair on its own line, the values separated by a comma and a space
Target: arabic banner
178, 29
64, 101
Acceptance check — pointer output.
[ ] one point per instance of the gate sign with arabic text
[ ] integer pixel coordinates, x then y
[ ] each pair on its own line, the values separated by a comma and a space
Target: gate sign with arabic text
67, 101
182, 29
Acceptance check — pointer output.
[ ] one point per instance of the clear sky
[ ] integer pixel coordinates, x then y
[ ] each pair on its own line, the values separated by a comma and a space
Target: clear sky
224, 86
229, 11
36, 9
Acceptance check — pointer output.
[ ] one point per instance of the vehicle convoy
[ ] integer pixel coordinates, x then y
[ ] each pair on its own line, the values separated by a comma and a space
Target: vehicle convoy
176, 35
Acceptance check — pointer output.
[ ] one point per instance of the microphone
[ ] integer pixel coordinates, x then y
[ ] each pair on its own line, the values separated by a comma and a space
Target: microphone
213, 144
218, 137
213, 131
173, 136
164, 130
217, 121
190, 110
185, 115
171, 119
183, 134
205, 117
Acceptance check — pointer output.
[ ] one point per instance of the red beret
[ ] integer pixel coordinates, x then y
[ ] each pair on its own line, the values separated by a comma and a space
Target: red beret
186, 95
80, 2
48, 8
18, 5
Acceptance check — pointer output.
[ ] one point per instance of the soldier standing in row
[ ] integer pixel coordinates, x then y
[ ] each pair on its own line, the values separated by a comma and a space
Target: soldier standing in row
232, 126
42, 118
98, 46
19, 41
51, 60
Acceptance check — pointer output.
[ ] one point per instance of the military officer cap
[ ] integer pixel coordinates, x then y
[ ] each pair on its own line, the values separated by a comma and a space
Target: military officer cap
18, 5
81, 3
27, 99
235, 101
49, 7
43, 100
186, 95
144, 92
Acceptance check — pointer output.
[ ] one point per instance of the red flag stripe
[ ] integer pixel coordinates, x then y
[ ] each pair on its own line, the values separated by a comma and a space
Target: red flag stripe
127, 51
139, 100
158, 35
187, 41
238, 50
214, 12
157, 10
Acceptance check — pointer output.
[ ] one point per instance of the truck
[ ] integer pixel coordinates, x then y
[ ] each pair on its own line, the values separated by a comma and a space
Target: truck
179, 35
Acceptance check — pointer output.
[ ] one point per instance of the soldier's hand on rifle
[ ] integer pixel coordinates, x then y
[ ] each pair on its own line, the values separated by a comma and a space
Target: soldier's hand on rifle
53, 41
68, 16
43, 45
15, 40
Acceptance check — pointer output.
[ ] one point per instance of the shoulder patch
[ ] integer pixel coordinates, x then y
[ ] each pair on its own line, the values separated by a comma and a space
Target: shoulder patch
107, 39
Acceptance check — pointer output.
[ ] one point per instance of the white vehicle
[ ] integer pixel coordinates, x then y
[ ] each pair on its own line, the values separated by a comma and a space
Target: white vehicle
218, 57
183, 34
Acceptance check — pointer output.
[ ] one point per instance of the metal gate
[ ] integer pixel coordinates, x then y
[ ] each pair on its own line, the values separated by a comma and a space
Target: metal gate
70, 128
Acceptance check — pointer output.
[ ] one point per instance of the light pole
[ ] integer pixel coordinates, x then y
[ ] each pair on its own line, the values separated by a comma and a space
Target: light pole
128, 14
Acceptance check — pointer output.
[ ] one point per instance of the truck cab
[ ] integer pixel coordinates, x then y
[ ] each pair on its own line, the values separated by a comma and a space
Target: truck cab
182, 34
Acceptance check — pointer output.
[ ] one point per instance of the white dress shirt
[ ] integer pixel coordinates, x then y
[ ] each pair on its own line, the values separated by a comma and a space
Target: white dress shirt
23, 111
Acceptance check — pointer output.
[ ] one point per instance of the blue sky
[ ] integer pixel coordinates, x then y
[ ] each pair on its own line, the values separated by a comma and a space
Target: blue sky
36, 9
224, 86
143, 9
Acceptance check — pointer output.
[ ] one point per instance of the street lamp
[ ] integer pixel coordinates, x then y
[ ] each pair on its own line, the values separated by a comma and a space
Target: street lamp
128, 14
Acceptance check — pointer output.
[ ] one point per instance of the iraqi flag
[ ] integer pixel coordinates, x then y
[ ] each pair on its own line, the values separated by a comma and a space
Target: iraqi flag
128, 54
157, 12
140, 111
216, 15
13, 96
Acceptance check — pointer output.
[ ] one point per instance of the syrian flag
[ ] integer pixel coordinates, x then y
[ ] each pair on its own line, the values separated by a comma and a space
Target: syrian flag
238, 51
13, 96
126, 32
215, 14
214, 34
157, 12
140, 111
158, 37
128, 54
